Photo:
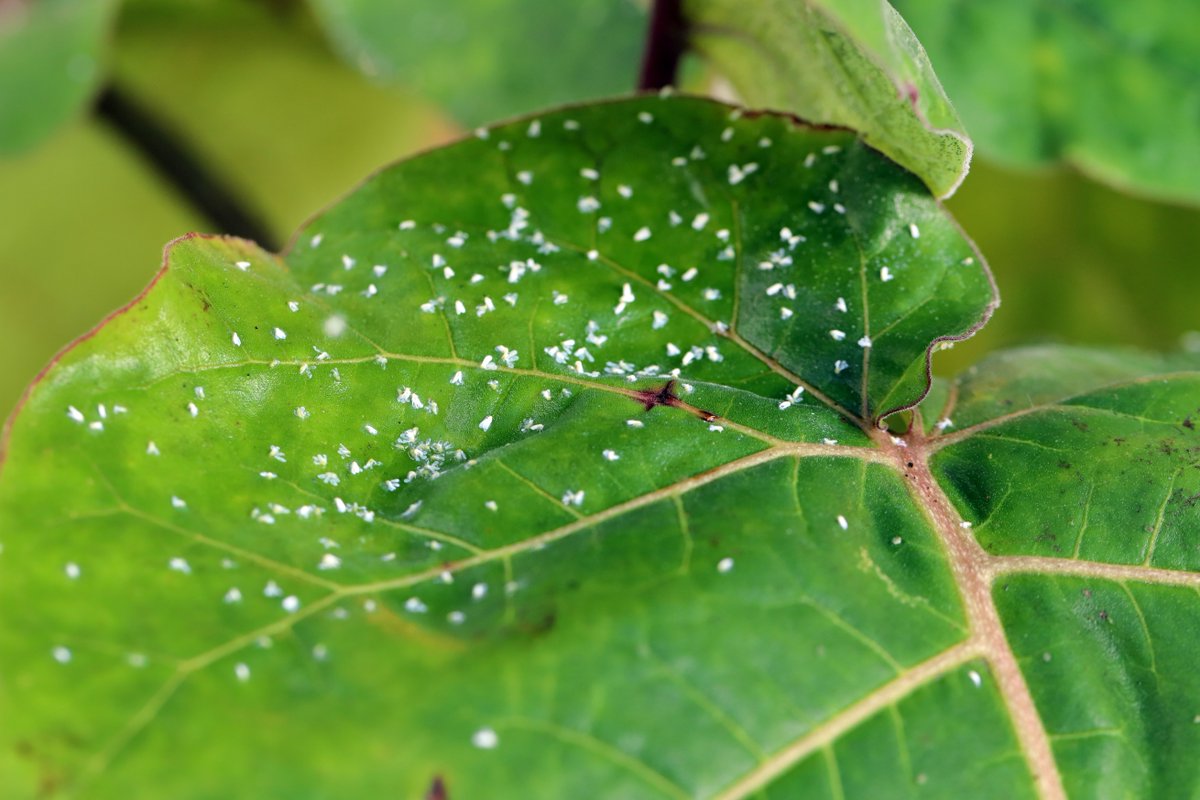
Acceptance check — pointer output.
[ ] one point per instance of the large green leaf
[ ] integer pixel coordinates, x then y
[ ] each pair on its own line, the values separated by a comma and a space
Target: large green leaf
303, 526
487, 60
1111, 87
50, 63
844, 62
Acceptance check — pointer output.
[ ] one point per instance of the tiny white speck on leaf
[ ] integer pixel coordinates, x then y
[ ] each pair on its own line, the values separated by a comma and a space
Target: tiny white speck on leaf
976, 678
333, 327
725, 565
842, 523
291, 604
413, 605
485, 739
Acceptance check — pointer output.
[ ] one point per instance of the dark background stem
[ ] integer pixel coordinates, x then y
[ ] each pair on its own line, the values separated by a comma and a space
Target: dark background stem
665, 42
183, 169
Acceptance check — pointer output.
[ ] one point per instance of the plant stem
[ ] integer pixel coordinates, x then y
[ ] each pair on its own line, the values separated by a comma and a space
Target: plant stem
182, 168
665, 42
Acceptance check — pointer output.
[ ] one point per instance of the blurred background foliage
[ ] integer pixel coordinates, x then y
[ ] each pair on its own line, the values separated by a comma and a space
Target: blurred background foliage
288, 117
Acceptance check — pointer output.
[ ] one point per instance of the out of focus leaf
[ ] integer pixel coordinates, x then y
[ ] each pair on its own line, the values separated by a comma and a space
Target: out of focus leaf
841, 62
51, 60
225, 77
486, 60
257, 96
1112, 87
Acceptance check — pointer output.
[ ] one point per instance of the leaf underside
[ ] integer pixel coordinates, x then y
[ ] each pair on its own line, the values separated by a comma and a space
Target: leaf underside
304, 526
841, 62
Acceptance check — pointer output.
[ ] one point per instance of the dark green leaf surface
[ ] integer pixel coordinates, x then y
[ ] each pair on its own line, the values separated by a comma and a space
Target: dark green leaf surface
304, 527
50, 54
1079, 469
1110, 87
486, 60
1116, 444
842, 62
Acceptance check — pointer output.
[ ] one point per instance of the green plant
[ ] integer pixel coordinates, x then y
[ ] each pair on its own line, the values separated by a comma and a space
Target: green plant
599, 455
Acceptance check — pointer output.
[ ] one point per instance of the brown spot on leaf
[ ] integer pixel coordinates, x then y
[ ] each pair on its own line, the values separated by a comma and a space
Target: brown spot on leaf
665, 396
437, 789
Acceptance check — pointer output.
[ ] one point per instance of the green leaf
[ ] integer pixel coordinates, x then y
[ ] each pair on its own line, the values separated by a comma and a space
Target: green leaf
250, 548
486, 60
1078, 470
841, 62
1110, 87
50, 54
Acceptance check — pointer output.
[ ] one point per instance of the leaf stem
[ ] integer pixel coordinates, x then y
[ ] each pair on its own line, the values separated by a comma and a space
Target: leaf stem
181, 167
665, 42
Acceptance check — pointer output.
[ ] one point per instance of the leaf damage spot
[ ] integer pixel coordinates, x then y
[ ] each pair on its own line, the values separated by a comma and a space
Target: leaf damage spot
665, 396
437, 789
